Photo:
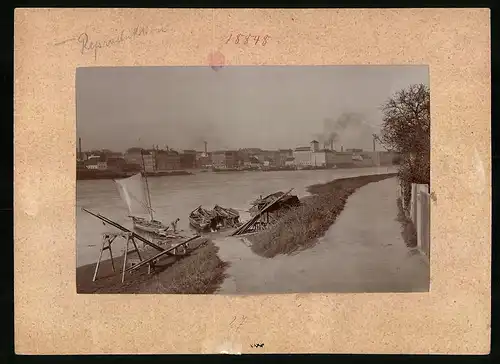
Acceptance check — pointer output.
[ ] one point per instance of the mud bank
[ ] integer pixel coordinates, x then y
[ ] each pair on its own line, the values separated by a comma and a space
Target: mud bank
200, 272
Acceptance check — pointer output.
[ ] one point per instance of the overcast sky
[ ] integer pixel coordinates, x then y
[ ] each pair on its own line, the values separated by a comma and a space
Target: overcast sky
235, 107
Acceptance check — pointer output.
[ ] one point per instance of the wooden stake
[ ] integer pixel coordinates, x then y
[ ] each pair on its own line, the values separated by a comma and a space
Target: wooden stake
100, 256
135, 250
111, 252
107, 240
125, 260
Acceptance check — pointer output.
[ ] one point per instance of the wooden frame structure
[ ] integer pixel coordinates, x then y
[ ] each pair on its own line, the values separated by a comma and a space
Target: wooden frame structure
107, 240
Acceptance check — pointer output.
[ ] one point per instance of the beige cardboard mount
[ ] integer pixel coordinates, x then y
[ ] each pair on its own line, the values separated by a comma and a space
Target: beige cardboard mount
50, 318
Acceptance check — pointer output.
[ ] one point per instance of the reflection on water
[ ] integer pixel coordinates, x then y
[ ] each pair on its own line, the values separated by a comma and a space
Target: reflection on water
177, 196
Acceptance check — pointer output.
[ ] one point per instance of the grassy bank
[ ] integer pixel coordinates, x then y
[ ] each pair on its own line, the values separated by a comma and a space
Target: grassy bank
301, 226
199, 272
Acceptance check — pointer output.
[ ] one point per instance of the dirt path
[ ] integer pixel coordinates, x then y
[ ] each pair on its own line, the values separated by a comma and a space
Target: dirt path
362, 252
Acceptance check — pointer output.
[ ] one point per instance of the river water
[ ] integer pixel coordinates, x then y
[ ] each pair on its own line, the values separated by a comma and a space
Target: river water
177, 196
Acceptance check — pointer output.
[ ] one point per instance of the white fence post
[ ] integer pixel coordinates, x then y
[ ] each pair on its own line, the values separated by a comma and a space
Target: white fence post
422, 218
418, 216
413, 203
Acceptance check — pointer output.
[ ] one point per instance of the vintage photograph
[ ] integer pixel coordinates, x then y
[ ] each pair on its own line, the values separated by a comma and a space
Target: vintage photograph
253, 179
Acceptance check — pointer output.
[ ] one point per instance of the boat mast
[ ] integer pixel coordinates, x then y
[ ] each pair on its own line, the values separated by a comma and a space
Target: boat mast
147, 186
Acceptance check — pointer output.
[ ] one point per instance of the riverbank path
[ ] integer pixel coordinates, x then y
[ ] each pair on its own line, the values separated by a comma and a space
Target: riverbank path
363, 251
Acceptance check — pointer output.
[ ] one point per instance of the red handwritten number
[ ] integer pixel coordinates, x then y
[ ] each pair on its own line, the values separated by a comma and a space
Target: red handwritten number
238, 39
228, 39
264, 42
247, 38
257, 40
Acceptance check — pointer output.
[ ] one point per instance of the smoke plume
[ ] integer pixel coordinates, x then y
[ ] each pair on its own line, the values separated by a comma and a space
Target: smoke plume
349, 129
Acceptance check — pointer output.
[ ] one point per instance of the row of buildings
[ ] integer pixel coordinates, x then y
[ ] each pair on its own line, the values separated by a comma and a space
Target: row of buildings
136, 159
301, 157
155, 159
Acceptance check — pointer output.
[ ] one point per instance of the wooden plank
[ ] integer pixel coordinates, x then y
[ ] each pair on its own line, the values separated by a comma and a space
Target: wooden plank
252, 221
164, 252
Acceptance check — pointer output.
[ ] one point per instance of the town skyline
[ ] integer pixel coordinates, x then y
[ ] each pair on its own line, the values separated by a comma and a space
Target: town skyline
336, 148
266, 107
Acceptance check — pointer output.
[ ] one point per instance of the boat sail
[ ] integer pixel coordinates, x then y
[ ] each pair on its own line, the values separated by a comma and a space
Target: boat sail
132, 191
135, 193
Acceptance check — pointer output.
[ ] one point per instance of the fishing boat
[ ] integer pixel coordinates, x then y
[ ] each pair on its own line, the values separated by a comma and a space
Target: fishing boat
134, 191
212, 220
284, 203
228, 217
201, 219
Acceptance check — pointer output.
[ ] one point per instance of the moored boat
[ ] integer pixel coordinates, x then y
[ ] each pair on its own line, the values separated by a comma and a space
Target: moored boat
135, 192
200, 219
150, 226
212, 220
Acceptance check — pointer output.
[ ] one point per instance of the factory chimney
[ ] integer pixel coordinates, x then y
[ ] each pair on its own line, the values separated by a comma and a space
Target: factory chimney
205, 148
341, 148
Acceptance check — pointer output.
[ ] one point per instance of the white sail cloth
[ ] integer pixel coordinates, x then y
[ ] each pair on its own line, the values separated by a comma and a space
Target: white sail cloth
133, 191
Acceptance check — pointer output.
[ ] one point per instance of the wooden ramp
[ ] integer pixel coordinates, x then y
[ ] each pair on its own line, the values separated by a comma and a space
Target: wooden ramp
170, 251
242, 229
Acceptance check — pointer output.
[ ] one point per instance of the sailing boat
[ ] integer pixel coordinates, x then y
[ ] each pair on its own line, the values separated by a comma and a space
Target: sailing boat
134, 191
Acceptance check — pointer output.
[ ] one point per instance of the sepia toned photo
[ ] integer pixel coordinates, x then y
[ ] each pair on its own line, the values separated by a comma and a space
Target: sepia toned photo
253, 179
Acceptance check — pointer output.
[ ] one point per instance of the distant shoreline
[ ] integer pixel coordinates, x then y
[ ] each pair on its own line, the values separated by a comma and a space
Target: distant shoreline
95, 175
98, 175
339, 166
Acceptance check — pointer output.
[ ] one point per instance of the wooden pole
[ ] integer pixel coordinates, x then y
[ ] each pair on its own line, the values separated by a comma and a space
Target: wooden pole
99, 260
111, 252
147, 185
125, 260
157, 256
136, 248
106, 238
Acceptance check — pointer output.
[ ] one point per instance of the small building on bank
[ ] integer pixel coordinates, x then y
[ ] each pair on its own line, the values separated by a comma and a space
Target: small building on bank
224, 159
312, 156
167, 160
289, 162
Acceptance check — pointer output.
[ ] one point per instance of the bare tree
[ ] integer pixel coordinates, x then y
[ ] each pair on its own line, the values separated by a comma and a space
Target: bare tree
406, 129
